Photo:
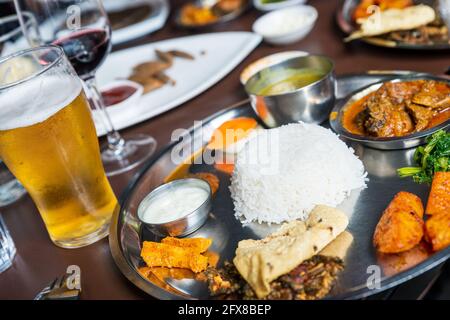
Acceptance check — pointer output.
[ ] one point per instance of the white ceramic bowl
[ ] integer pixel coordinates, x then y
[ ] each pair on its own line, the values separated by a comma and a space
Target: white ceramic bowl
276, 5
286, 26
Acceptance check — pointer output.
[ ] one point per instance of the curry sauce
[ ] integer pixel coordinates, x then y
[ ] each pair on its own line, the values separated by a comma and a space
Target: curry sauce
399, 108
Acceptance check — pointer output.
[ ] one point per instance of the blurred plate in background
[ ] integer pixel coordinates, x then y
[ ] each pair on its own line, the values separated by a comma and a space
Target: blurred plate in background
216, 54
136, 18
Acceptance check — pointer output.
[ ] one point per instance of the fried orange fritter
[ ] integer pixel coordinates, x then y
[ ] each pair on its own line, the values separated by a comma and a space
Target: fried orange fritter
164, 255
439, 199
401, 226
437, 230
197, 244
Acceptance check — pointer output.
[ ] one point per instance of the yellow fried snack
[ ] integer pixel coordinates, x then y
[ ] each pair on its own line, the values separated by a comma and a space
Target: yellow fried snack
164, 255
213, 258
439, 199
199, 245
401, 225
163, 273
437, 230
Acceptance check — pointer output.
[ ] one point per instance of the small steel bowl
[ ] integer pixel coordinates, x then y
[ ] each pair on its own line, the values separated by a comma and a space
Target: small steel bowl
311, 104
396, 143
182, 226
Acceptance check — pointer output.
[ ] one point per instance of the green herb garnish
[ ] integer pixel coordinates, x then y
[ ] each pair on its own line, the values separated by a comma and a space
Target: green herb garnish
271, 1
433, 157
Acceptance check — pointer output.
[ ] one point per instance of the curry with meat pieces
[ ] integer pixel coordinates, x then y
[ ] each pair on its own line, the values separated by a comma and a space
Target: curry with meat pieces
399, 108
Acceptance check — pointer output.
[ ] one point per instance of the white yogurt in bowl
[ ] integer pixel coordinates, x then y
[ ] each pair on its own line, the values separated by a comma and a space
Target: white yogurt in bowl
174, 204
177, 208
287, 25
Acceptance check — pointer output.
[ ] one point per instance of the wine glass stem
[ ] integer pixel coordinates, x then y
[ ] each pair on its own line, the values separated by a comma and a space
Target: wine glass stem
115, 141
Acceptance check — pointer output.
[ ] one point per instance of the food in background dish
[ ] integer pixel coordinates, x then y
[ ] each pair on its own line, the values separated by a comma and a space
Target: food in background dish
397, 109
399, 22
365, 7
433, 157
196, 15
312, 278
393, 20
229, 5
177, 253
262, 261
401, 225
151, 75
296, 167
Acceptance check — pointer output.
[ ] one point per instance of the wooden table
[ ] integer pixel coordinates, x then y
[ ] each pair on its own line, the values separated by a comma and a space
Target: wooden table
38, 261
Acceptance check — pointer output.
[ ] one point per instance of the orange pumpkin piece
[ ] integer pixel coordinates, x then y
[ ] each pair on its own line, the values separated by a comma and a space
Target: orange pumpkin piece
212, 180
437, 230
227, 168
401, 226
231, 132
439, 199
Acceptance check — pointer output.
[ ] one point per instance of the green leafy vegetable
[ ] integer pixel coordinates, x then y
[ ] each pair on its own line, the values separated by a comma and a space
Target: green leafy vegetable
434, 157
271, 1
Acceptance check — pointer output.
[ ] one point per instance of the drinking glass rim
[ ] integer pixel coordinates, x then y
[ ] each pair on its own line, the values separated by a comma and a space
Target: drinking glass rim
61, 54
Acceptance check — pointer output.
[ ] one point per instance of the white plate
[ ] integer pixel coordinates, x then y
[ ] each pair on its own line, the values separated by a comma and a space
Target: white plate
222, 53
155, 21
276, 5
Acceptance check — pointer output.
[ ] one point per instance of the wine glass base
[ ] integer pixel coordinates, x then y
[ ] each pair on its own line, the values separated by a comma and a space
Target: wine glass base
136, 150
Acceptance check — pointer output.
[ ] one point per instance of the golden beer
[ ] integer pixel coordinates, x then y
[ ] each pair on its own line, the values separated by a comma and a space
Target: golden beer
57, 159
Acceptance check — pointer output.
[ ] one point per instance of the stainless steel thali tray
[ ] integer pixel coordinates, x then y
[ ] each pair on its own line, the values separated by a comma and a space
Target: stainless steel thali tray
363, 207
345, 23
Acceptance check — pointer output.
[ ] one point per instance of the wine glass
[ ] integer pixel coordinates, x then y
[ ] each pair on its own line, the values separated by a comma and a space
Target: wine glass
82, 29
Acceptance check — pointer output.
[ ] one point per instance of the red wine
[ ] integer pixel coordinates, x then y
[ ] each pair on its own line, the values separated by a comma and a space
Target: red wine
86, 50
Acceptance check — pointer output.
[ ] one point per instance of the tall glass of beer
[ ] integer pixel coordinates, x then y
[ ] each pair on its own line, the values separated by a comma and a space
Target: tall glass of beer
48, 141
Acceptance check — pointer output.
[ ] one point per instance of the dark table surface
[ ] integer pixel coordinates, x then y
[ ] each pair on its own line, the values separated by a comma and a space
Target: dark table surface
38, 261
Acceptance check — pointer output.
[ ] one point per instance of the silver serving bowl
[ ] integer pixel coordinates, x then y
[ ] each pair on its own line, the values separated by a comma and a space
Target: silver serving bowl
395, 143
185, 225
311, 104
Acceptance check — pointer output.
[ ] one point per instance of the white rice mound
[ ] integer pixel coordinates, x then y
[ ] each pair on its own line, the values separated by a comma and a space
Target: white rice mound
298, 167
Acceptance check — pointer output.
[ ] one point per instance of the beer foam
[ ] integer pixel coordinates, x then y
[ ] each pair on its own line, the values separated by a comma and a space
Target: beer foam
36, 100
